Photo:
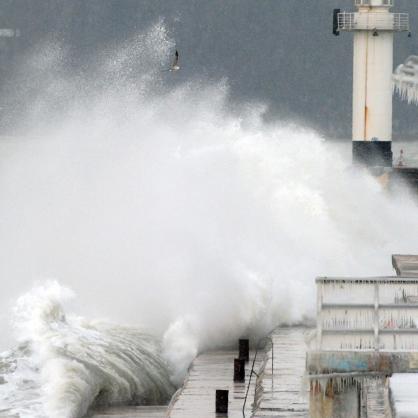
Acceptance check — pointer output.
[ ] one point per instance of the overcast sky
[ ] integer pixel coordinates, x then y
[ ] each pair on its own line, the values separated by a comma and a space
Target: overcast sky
280, 52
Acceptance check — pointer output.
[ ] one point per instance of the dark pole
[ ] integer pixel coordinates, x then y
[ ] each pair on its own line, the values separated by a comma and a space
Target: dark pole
239, 370
244, 349
222, 401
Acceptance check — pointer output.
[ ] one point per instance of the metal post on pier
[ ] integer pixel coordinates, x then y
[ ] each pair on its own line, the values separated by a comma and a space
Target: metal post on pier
239, 370
222, 401
244, 349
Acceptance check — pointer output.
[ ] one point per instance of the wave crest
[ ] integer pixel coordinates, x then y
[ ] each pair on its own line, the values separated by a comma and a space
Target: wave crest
66, 364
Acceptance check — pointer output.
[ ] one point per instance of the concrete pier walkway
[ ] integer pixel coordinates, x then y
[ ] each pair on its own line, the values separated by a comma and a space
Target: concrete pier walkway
285, 393
208, 372
132, 412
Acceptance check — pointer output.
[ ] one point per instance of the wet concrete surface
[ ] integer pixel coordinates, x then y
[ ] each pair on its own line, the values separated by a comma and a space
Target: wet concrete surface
281, 393
284, 390
211, 371
131, 412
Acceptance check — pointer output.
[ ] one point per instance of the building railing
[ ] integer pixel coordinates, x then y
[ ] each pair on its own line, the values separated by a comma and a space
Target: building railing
378, 314
354, 21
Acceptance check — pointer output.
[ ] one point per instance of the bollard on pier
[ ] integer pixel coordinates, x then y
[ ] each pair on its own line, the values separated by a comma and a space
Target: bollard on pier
244, 349
222, 401
239, 370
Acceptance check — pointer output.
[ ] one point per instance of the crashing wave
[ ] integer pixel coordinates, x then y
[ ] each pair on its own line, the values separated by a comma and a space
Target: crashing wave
65, 364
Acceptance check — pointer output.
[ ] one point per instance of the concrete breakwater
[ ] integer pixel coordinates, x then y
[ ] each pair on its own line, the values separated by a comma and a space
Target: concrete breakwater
276, 390
278, 387
209, 372
131, 412
283, 389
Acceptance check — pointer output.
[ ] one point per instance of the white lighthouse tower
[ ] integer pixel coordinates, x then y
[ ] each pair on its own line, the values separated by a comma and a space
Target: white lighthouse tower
373, 25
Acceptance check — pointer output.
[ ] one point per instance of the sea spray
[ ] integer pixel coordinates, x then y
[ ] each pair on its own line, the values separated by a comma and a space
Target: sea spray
65, 364
163, 205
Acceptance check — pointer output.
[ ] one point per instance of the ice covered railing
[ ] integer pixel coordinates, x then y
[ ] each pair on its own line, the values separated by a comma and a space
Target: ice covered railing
367, 314
405, 79
354, 21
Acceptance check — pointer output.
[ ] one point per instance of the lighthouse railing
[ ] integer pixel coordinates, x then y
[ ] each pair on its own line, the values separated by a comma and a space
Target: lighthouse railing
359, 3
358, 21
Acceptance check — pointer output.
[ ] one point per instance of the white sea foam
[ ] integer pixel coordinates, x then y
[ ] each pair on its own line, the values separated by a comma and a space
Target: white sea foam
65, 364
159, 205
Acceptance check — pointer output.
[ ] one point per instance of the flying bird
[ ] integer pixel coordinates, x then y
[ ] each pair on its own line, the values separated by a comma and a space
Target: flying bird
175, 65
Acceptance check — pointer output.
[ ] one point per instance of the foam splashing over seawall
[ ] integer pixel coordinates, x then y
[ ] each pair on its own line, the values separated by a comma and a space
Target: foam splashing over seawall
161, 204
64, 365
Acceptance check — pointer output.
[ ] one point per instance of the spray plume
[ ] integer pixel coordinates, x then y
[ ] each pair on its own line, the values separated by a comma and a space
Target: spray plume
161, 207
